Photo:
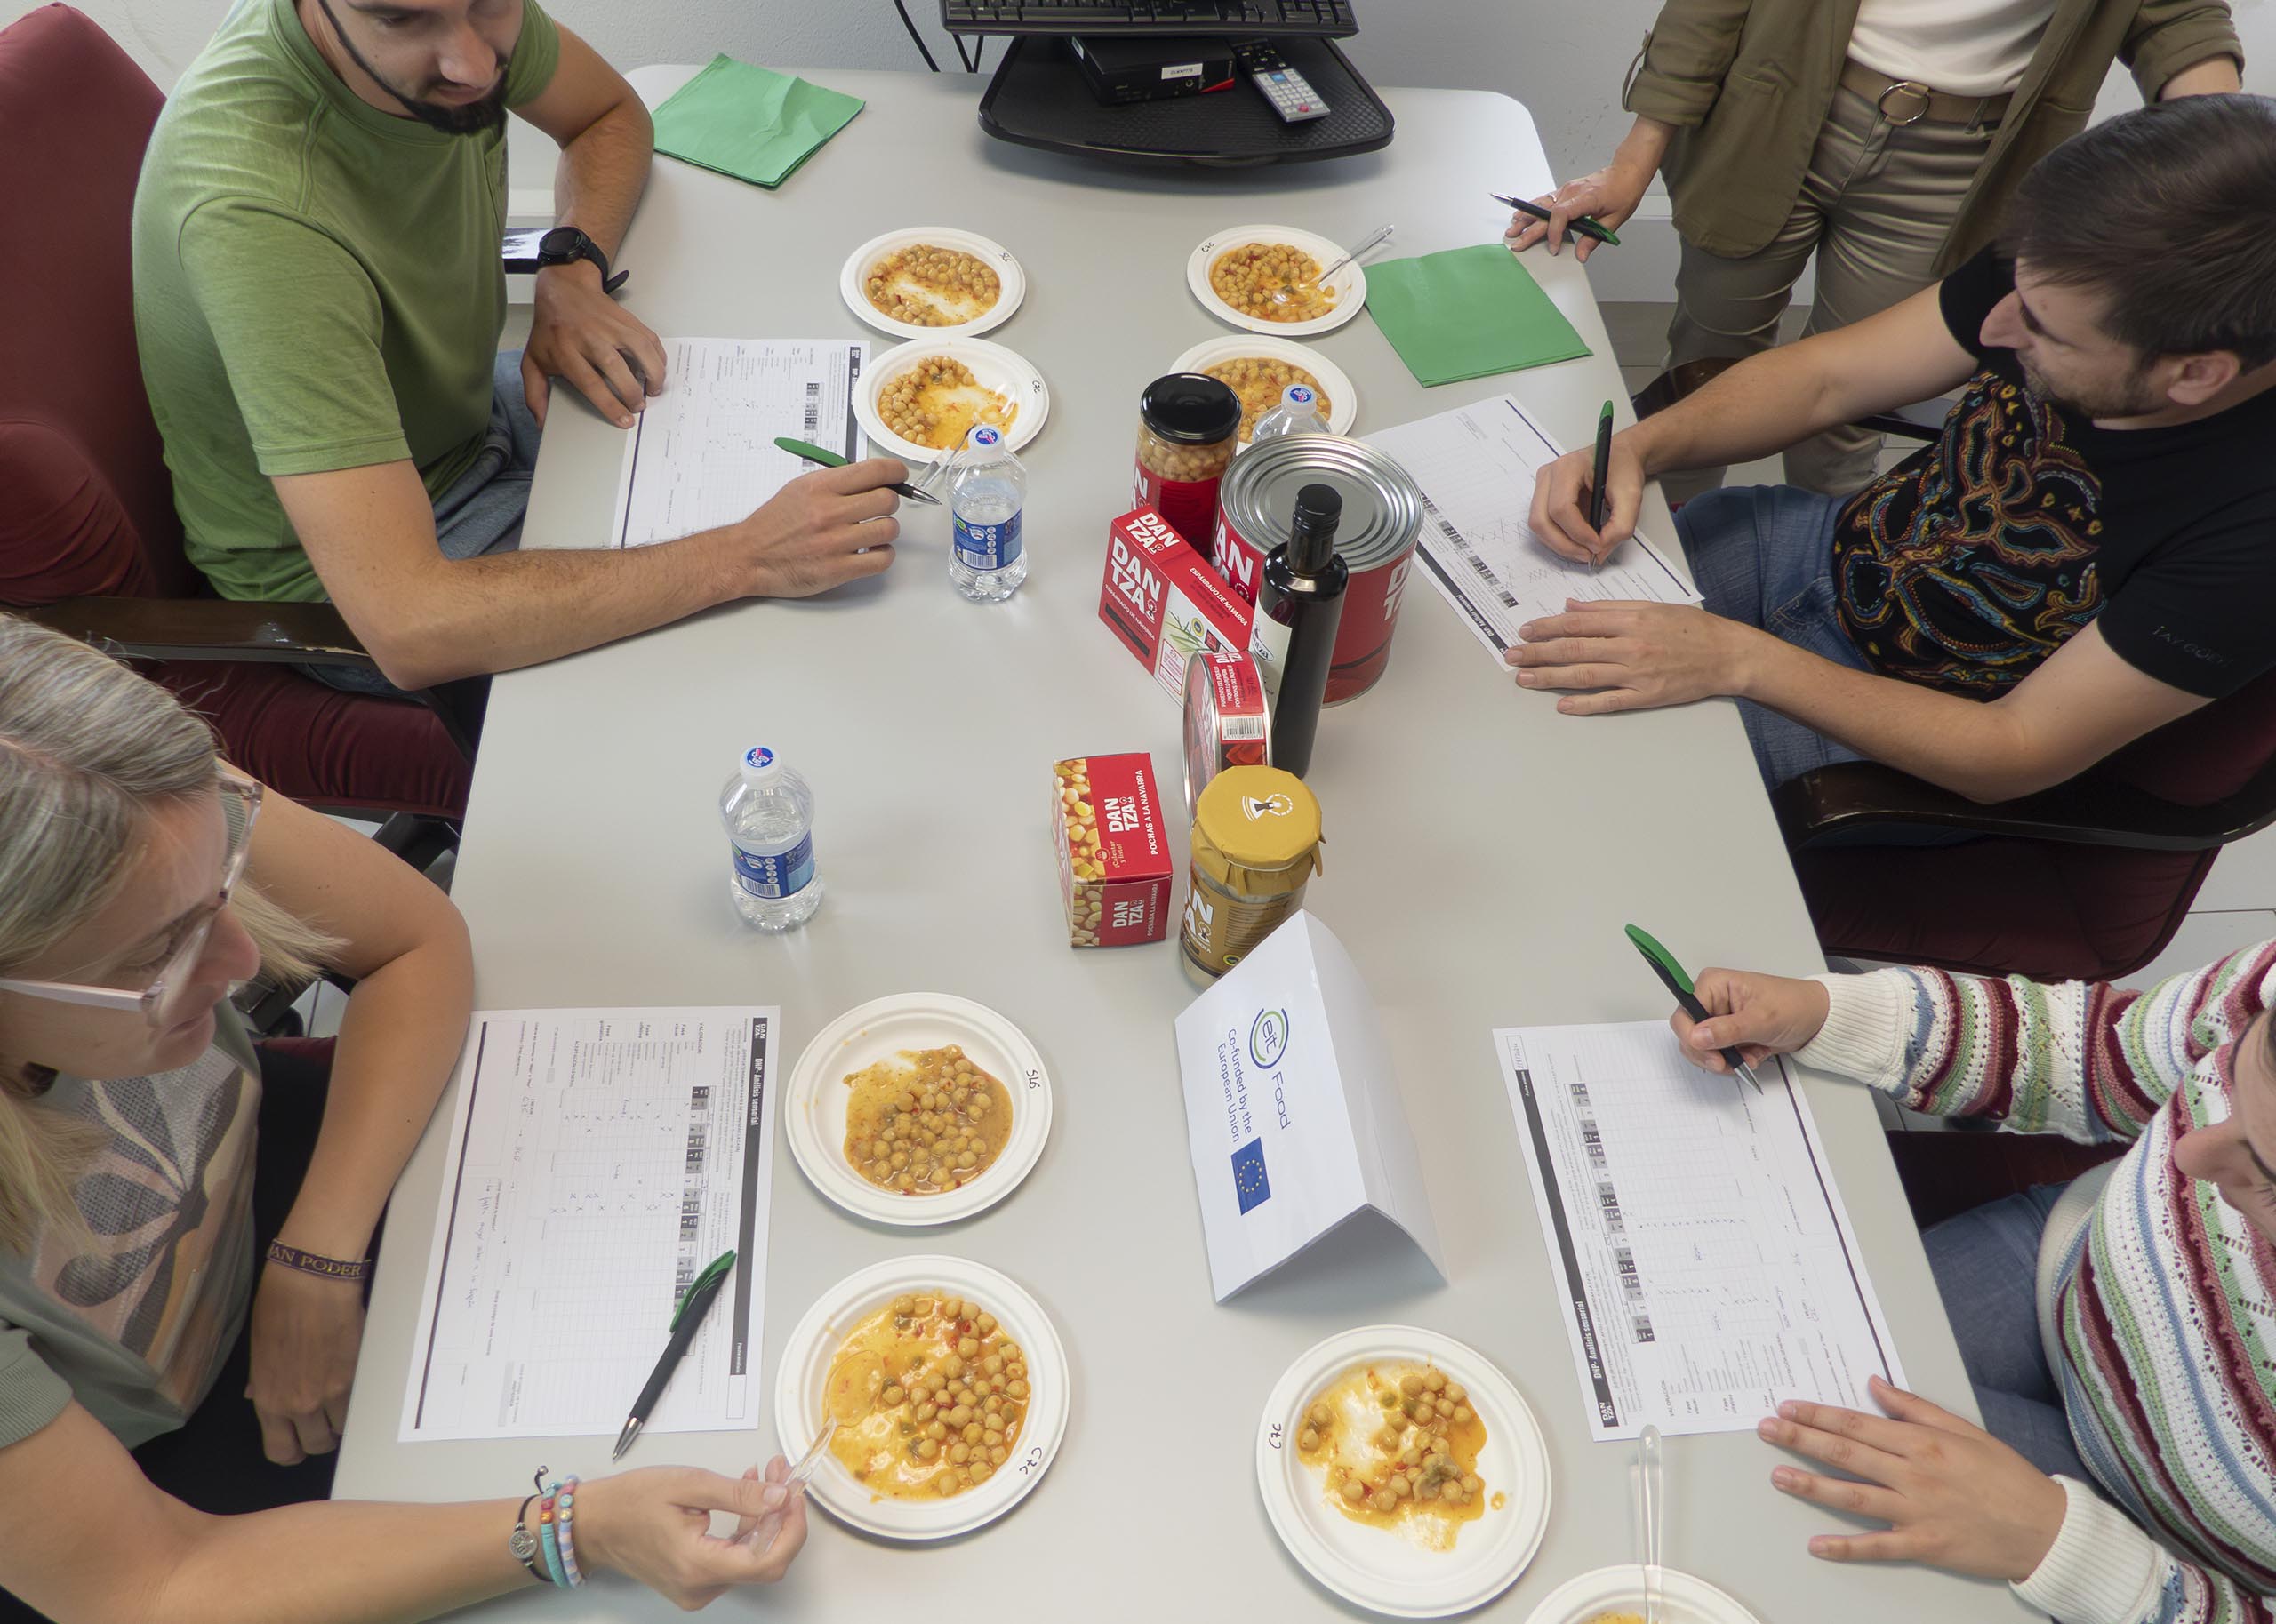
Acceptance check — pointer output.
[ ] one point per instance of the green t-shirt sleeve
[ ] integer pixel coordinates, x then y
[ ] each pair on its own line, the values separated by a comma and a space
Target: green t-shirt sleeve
536, 54
297, 323
31, 1394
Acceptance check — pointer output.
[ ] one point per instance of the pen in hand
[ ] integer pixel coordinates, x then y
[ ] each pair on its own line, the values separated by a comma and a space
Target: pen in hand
1678, 981
1600, 501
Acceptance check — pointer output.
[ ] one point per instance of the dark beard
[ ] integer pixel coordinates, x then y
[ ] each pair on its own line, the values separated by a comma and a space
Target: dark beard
2131, 398
476, 118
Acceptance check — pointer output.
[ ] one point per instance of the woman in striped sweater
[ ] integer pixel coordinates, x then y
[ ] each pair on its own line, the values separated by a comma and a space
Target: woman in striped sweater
2118, 1332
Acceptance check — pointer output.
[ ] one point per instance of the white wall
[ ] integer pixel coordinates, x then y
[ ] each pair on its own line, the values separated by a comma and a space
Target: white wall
1564, 59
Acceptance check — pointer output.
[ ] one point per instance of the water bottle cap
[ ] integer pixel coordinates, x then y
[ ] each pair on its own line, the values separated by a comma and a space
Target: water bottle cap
1297, 394
986, 437
759, 765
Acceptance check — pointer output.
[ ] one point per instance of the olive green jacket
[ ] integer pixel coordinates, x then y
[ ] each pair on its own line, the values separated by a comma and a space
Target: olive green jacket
1748, 86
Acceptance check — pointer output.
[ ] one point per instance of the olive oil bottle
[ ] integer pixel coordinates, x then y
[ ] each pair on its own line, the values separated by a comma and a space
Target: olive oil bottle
1299, 603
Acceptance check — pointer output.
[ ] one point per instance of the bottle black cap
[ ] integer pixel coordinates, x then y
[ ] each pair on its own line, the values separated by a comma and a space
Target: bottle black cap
1311, 530
1190, 409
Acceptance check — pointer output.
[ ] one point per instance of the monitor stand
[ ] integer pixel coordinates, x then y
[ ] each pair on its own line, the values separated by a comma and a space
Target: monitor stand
1038, 98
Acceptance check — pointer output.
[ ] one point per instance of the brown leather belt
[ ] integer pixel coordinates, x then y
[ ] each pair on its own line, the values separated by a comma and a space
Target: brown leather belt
1908, 101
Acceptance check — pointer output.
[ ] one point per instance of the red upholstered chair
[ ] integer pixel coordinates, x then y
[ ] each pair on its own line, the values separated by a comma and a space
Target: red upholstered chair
89, 540
2088, 880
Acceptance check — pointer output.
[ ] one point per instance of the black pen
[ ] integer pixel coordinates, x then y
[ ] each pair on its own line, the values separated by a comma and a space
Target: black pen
1580, 223
1597, 498
702, 1292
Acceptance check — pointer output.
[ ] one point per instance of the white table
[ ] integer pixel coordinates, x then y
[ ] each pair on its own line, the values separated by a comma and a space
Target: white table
593, 872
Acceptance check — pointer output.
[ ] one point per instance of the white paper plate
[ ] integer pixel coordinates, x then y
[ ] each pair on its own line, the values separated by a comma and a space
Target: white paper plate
994, 366
1341, 395
1683, 1599
1372, 1566
799, 1388
814, 1106
1013, 281
1350, 282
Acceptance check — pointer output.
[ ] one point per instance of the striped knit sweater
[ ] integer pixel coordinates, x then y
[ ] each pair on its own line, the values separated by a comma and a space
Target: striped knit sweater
2158, 1302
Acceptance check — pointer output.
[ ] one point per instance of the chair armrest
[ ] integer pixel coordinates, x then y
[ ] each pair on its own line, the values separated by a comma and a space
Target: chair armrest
209, 628
2089, 810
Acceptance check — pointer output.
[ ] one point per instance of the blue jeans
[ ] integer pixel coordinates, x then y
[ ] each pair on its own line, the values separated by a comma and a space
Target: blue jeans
482, 511
1763, 555
1986, 1264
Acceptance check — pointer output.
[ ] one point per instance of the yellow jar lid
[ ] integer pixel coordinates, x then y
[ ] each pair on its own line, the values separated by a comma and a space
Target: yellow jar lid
1258, 818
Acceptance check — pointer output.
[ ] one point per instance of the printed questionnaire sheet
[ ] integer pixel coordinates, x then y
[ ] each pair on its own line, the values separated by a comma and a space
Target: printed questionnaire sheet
598, 1159
702, 454
1475, 466
1706, 1267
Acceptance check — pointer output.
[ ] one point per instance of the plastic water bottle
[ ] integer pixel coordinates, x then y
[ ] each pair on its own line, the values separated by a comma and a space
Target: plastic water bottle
770, 817
1298, 413
986, 493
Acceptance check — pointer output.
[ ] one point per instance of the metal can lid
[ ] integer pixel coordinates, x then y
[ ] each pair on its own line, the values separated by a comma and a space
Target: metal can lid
1260, 819
1225, 705
1382, 509
1190, 409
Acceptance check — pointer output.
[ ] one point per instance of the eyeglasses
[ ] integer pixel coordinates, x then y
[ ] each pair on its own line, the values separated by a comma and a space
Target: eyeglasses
167, 1001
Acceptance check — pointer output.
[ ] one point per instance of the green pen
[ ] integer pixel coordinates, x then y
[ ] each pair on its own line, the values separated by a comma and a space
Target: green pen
830, 460
1678, 982
1581, 224
688, 1319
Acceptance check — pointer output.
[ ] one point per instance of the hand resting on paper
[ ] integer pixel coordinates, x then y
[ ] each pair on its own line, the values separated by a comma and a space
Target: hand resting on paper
820, 531
1954, 1496
1759, 1015
1560, 498
1633, 655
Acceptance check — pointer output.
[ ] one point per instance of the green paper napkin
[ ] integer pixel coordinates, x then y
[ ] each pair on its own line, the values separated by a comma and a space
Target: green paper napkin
1468, 313
751, 123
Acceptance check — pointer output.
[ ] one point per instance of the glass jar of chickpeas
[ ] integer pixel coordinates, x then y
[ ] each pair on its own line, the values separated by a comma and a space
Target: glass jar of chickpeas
1256, 846
1187, 422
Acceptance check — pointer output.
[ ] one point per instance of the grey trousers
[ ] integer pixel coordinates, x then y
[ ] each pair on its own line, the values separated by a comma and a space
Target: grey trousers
1875, 207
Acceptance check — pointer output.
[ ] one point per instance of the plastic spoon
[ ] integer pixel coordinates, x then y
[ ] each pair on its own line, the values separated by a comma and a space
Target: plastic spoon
1282, 296
1650, 1511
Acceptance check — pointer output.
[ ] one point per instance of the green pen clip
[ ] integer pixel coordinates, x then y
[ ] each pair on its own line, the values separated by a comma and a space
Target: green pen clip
1648, 945
811, 452
713, 1273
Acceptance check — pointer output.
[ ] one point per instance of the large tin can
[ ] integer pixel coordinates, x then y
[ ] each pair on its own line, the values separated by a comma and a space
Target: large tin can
1383, 514
1255, 847
1228, 719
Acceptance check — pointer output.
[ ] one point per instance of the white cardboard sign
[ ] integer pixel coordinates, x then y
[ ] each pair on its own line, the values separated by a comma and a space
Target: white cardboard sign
1293, 1108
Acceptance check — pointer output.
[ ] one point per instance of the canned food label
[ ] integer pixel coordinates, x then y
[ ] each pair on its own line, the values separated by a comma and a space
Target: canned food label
987, 546
1236, 561
1190, 506
783, 874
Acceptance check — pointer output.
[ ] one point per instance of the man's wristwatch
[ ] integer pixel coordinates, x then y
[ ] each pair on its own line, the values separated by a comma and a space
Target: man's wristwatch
566, 245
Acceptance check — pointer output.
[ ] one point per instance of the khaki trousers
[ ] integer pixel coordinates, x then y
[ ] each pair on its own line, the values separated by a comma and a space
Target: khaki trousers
1875, 208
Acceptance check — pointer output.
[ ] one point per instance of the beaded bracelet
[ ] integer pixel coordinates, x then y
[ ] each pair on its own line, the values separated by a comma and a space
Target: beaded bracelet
309, 1263
565, 1511
549, 1540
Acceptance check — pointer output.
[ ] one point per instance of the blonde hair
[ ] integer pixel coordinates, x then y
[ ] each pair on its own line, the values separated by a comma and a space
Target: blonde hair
88, 750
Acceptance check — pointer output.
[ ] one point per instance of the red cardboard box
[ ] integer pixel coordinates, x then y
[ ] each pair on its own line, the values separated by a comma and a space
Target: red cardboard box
1114, 849
1165, 602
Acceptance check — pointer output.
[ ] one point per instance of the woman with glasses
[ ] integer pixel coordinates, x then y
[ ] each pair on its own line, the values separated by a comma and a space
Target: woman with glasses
184, 1221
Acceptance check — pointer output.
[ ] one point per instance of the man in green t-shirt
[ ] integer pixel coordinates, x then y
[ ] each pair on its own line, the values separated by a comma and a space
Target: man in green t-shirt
318, 295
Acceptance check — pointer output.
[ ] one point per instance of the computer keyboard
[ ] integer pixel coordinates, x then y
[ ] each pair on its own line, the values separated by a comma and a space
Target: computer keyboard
1330, 18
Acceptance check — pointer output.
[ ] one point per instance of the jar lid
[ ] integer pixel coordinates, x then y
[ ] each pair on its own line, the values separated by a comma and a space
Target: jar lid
1257, 818
1190, 409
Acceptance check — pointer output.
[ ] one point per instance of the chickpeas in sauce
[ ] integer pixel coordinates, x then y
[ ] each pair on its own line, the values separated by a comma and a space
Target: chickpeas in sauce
929, 1394
925, 1122
1247, 276
1397, 1443
926, 286
938, 402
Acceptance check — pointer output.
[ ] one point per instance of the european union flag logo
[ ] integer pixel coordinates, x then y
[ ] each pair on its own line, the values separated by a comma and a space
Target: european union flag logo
1249, 1182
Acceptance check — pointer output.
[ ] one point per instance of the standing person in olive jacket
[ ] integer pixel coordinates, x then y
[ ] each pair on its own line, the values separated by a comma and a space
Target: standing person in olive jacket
1881, 135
